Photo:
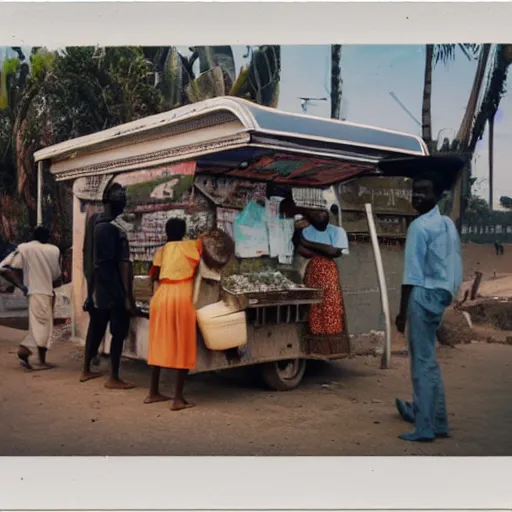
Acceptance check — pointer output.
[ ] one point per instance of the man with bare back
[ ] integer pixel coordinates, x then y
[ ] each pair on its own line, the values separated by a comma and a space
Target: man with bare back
109, 294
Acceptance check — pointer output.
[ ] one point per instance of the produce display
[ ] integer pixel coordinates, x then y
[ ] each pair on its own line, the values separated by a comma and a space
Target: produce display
258, 282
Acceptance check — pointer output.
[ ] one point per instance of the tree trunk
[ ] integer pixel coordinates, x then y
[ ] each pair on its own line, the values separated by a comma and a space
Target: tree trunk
491, 162
467, 122
336, 91
426, 113
462, 188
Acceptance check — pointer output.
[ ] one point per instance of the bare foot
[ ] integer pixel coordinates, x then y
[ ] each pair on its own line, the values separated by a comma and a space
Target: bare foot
23, 354
89, 376
180, 405
152, 399
118, 384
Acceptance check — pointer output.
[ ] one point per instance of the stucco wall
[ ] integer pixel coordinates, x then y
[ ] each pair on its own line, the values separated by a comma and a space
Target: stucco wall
80, 319
361, 288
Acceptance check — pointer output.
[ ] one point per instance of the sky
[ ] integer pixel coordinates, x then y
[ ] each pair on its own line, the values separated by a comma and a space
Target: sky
370, 73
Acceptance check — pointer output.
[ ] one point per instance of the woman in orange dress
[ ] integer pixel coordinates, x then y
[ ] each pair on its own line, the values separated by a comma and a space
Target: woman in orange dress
172, 316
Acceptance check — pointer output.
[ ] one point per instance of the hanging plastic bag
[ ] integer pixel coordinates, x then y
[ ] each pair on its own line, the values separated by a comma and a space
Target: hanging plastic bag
250, 230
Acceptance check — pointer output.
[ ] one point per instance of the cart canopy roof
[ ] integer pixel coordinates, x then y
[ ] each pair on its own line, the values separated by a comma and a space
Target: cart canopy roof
448, 167
232, 136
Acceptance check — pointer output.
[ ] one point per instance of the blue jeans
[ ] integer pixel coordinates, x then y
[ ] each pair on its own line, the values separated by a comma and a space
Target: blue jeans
424, 315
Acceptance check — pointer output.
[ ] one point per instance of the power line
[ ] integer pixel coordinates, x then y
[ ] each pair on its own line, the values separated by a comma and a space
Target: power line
404, 108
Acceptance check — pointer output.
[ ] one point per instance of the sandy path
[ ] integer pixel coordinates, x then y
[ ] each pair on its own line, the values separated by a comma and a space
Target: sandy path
345, 408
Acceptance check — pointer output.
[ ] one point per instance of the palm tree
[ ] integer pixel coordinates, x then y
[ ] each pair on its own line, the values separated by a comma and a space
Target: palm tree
489, 107
433, 55
335, 81
472, 128
466, 125
461, 192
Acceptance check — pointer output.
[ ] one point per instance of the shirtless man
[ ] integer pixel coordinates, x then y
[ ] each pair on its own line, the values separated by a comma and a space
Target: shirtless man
40, 263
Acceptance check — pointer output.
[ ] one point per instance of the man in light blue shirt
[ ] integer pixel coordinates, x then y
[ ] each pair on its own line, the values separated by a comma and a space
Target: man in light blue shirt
432, 277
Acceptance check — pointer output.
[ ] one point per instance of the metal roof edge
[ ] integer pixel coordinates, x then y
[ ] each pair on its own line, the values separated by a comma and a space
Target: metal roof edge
235, 106
242, 109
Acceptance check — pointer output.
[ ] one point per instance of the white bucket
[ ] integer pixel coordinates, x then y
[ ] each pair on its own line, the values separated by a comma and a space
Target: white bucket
222, 326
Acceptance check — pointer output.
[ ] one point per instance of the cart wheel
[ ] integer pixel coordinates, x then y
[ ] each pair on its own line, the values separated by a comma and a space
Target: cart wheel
283, 375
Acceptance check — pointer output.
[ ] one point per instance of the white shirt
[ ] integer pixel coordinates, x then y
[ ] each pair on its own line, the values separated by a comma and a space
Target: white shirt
40, 264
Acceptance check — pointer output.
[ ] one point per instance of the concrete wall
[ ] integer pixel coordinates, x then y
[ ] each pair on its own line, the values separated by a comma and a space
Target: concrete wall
361, 288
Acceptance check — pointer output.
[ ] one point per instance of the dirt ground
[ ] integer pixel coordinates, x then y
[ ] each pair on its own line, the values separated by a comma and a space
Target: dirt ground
344, 408
482, 257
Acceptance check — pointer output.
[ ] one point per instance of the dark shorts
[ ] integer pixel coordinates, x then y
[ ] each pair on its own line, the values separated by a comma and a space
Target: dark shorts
118, 318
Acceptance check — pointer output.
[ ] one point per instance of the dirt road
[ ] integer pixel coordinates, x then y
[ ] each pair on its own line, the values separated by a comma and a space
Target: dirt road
345, 408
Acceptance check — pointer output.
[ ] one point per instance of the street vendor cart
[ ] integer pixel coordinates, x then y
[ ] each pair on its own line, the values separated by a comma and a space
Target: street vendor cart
207, 162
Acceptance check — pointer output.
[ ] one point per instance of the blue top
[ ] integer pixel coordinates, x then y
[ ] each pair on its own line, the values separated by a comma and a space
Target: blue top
334, 236
433, 253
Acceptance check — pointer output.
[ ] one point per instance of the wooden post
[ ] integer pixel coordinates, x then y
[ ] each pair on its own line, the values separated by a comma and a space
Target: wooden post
476, 285
386, 356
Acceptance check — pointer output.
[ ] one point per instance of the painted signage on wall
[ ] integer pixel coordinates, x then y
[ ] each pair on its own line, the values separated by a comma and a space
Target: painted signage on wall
387, 195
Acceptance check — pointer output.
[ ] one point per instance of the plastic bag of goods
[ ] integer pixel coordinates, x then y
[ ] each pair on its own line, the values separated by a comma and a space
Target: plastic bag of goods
222, 326
250, 230
218, 249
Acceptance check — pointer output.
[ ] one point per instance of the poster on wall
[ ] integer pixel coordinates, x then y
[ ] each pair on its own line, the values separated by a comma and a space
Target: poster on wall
154, 196
229, 192
159, 188
225, 219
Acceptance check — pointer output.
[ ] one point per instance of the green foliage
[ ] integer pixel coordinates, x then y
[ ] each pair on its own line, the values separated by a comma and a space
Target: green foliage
62, 96
445, 53
506, 202
264, 75
477, 207
478, 213
82, 90
41, 62
217, 56
92, 90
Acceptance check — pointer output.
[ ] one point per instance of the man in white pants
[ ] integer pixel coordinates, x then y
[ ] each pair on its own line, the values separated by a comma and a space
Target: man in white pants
40, 263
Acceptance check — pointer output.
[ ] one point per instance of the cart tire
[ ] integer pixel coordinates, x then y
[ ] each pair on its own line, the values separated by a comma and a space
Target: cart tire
283, 375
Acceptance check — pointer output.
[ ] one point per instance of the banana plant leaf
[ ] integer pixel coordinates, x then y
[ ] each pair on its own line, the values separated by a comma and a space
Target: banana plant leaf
264, 75
172, 79
212, 56
240, 88
207, 85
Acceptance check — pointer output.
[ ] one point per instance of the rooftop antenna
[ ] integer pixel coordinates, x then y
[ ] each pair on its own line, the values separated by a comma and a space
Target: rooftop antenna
308, 102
